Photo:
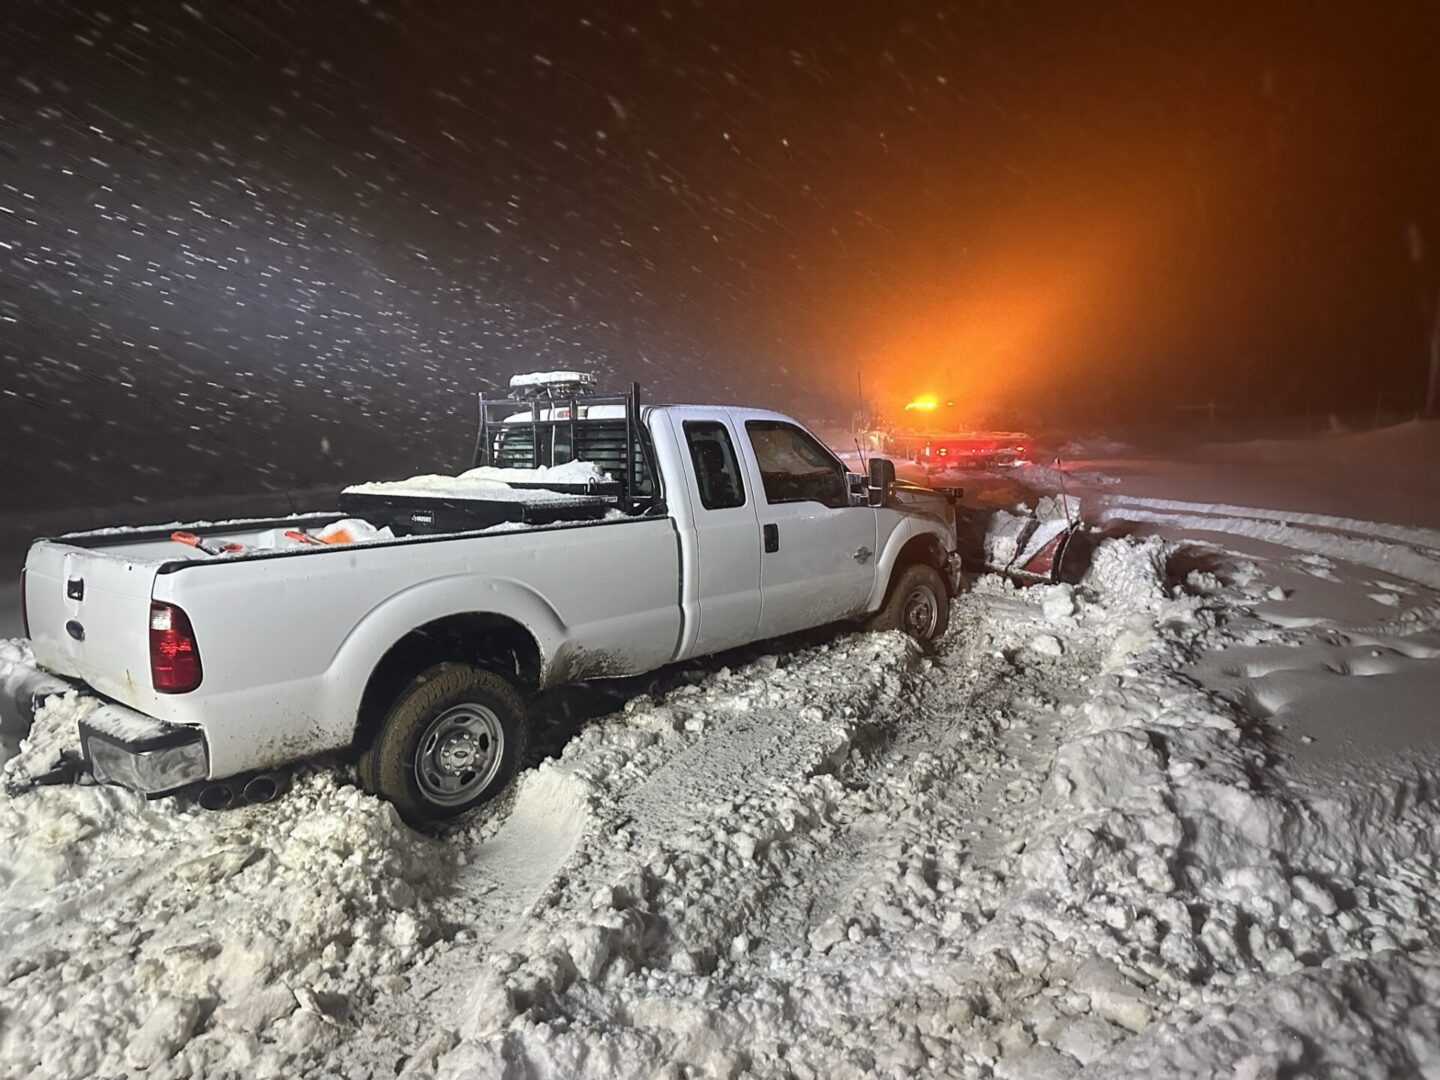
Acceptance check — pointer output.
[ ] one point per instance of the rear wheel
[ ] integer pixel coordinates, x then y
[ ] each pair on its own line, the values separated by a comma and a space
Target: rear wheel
454, 738
917, 604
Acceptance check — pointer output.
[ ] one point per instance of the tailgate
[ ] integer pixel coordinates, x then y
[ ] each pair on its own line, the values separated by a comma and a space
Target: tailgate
90, 616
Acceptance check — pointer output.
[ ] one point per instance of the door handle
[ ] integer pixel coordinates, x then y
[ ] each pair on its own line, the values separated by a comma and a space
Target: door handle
862, 553
772, 537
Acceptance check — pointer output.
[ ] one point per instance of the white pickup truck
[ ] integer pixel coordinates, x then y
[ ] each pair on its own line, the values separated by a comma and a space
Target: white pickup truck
415, 650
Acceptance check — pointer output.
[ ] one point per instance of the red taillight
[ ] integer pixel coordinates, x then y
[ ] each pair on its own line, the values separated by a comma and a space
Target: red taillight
174, 656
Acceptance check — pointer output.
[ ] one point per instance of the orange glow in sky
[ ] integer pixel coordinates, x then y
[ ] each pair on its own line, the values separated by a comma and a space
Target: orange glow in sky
1015, 320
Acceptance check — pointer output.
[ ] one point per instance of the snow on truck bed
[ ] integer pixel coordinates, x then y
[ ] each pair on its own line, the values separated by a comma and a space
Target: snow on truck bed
489, 482
1179, 820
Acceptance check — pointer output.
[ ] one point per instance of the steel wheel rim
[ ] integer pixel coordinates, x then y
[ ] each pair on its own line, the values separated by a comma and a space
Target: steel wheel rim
921, 613
459, 754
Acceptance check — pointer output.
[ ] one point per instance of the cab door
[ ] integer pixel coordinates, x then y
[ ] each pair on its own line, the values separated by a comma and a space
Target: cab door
727, 543
817, 562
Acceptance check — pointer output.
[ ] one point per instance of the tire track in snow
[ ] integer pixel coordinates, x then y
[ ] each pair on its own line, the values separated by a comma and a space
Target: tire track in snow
522, 857
1402, 558
500, 881
757, 778
704, 776
864, 831
1409, 535
963, 768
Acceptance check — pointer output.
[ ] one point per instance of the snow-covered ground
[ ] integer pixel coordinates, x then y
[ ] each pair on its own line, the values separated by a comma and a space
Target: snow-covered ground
1178, 819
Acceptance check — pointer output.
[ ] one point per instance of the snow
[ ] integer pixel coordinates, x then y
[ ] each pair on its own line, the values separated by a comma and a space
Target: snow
490, 483
1369, 1018
127, 923
16, 662
548, 378
569, 472
125, 724
1177, 819
351, 531
1383, 476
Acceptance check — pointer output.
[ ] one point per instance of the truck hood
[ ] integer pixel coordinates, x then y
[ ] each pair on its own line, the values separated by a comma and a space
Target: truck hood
927, 503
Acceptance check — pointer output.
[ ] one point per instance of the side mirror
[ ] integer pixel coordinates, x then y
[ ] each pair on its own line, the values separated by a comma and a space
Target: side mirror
882, 481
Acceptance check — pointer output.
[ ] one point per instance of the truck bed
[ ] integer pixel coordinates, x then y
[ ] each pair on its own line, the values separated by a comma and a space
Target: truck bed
288, 635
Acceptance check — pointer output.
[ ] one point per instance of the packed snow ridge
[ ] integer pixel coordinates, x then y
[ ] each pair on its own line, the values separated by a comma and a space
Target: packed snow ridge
1089, 834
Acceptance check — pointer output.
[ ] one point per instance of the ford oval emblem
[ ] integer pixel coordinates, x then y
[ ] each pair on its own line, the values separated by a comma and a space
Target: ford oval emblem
75, 630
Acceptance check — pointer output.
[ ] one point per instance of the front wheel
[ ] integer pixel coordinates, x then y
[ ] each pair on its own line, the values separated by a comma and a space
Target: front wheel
454, 738
917, 603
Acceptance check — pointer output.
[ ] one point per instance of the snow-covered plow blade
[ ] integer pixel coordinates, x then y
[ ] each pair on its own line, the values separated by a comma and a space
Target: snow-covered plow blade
1032, 549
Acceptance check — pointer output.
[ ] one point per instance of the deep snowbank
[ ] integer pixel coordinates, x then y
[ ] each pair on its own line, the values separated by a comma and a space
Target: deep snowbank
140, 935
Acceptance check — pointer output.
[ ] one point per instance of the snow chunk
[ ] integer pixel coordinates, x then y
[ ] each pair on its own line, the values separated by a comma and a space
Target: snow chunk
1129, 574
54, 732
1058, 603
1047, 645
1112, 996
165, 1031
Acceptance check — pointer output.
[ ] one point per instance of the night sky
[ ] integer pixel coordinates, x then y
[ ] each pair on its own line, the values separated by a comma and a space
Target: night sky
250, 245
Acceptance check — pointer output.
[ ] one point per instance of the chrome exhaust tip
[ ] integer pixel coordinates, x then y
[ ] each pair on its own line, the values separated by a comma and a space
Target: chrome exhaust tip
216, 796
236, 791
263, 788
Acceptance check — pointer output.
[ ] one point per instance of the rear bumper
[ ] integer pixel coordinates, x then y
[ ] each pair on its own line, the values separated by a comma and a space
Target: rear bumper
124, 747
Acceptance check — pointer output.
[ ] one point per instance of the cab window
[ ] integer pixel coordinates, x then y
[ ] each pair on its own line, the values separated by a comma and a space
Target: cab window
717, 473
795, 466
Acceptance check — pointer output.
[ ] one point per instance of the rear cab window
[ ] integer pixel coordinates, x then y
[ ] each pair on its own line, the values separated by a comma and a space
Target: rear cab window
795, 466
600, 440
717, 471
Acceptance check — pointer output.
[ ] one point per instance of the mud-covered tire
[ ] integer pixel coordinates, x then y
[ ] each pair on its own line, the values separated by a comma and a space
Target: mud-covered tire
454, 738
916, 603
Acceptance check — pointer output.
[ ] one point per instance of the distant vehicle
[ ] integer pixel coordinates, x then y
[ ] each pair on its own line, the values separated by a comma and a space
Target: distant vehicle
594, 538
937, 450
